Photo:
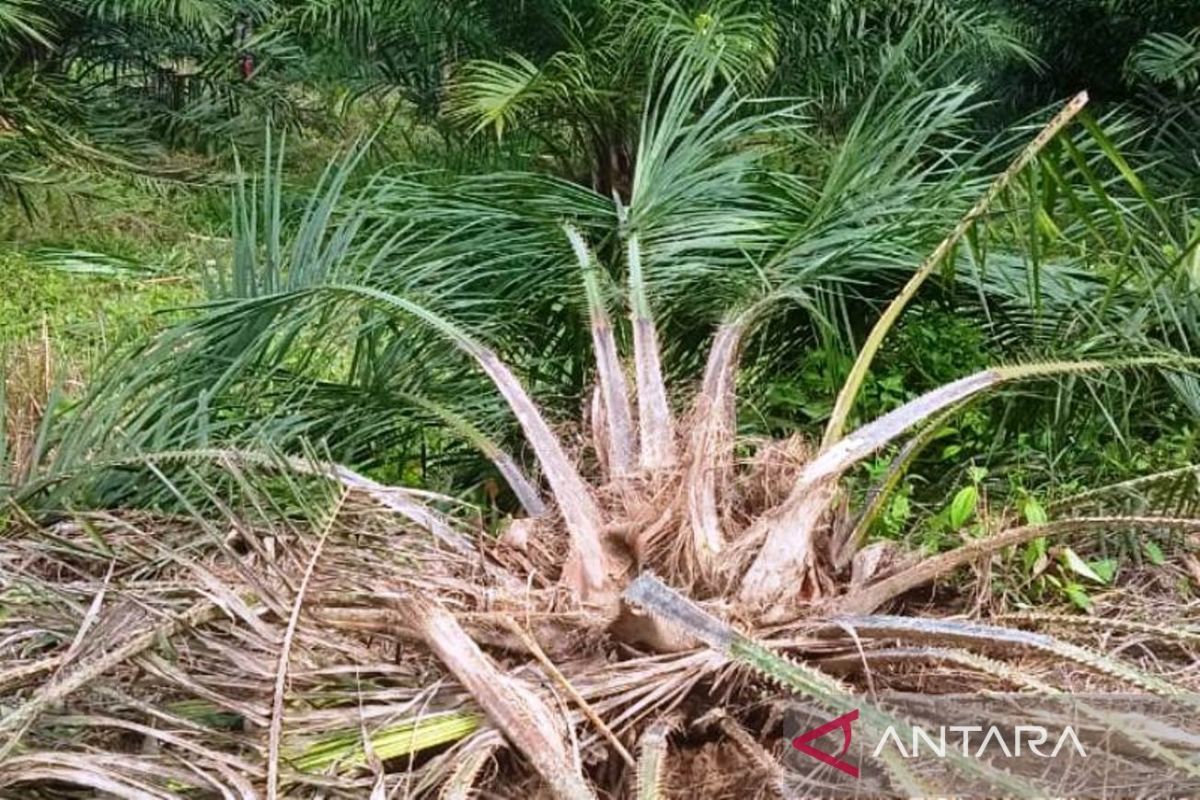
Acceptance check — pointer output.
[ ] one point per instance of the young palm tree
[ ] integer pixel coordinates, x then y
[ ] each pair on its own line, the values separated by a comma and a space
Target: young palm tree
584, 101
657, 574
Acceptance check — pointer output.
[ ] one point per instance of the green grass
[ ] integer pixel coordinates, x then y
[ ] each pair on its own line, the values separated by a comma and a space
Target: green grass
80, 279
89, 271
83, 315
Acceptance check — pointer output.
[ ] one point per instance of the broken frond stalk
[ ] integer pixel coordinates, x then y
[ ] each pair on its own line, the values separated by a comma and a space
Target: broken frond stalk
654, 411
512, 707
621, 450
858, 373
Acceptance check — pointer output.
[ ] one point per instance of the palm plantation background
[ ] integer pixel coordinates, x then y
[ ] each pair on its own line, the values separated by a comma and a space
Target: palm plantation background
360, 356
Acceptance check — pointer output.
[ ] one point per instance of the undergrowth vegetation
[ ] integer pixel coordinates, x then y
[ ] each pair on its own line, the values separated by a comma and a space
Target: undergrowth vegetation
409, 399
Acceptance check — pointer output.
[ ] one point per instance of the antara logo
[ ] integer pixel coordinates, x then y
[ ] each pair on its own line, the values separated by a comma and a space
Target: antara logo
974, 741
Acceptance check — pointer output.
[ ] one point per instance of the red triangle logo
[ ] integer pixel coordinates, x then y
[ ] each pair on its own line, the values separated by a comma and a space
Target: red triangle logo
801, 743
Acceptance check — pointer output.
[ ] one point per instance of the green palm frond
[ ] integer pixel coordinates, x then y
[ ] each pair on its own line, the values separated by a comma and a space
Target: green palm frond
207, 15
21, 20
489, 94
1168, 58
736, 39
834, 53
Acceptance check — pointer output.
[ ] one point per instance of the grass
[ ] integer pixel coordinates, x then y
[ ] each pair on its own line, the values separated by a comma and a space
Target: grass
82, 277
89, 271
84, 315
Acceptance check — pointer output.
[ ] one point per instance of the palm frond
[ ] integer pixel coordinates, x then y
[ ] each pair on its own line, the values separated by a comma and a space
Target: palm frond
1168, 58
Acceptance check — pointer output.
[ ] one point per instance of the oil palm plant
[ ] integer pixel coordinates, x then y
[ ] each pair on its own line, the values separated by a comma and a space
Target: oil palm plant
587, 96
87, 83
1165, 66
656, 575
714, 228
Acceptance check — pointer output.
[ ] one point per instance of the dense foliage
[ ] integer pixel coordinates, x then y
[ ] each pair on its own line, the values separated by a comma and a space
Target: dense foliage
857, 137
102, 83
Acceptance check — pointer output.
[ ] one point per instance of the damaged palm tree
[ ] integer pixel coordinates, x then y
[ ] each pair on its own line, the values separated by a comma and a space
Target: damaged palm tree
415, 661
